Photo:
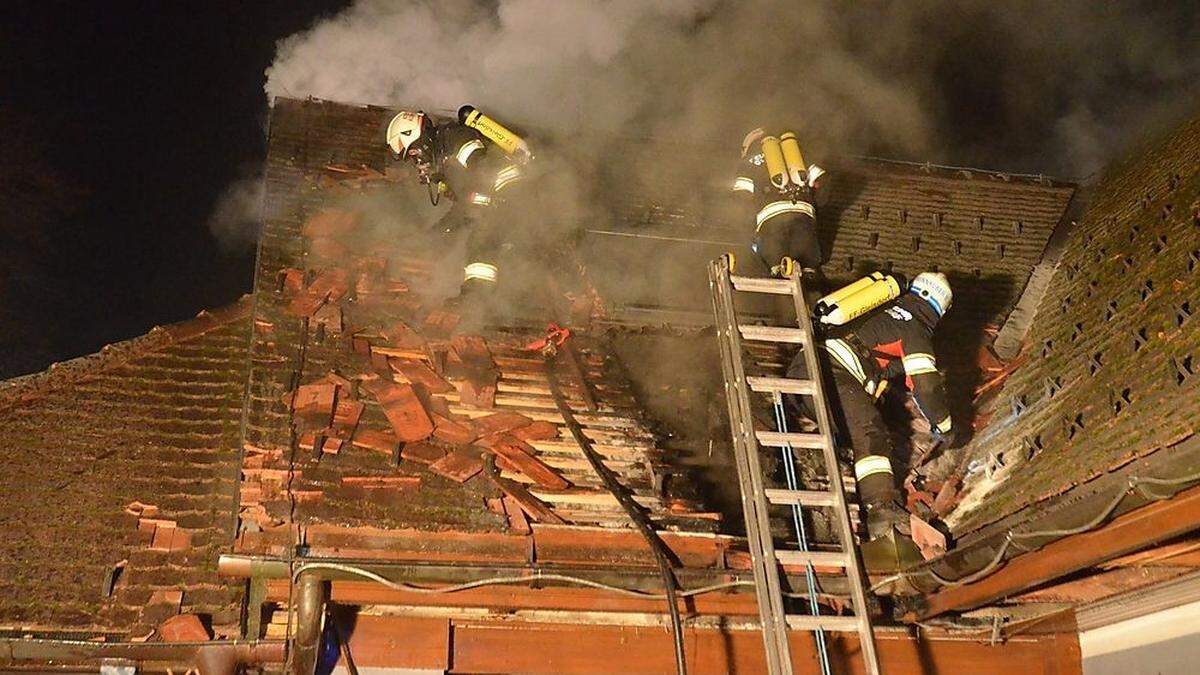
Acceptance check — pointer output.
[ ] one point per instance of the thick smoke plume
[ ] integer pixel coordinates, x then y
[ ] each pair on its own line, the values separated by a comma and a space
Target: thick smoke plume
1022, 86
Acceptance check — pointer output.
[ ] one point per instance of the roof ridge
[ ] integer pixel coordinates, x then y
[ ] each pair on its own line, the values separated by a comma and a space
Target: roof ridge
28, 387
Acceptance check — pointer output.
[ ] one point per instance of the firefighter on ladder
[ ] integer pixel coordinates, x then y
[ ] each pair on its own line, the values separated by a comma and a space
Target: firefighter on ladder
478, 164
782, 192
865, 354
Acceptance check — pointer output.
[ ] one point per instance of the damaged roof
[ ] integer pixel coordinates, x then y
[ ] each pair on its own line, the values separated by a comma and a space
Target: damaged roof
343, 315
1113, 356
119, 482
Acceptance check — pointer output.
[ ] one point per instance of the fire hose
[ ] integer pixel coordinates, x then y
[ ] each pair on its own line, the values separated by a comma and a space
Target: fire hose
549, 349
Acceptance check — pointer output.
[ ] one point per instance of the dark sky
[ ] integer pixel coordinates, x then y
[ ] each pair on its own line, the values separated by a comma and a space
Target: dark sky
122, 123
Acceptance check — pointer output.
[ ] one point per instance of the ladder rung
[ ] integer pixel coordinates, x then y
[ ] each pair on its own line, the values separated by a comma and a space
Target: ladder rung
776, 439
762, 285
817, 558
846, 624
772, 334
801, 497
783, 385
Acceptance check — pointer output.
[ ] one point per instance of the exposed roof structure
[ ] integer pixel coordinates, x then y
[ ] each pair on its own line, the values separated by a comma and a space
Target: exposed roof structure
269, 428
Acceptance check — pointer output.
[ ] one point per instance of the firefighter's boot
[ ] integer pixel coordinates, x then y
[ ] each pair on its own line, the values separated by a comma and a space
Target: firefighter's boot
885, 517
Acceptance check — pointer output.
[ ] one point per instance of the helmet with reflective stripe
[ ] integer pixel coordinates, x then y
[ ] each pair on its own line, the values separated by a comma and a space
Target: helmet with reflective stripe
932, 287
404, 130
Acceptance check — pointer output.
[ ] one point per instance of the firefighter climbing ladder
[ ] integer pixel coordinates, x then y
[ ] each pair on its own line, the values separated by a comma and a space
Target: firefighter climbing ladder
757, 498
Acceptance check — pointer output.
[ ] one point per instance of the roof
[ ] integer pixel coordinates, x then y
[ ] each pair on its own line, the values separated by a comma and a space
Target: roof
323, 222
1113, 351
147, 428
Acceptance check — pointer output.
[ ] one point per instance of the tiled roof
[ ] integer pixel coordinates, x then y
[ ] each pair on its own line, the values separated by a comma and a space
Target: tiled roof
290, 349
1114, 353
153, 420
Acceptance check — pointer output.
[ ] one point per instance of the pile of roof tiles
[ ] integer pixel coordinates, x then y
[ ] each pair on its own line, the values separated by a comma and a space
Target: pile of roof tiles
408, 378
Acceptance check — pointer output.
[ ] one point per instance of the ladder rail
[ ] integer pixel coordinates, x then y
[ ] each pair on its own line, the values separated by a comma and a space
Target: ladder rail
768, 587
854, 570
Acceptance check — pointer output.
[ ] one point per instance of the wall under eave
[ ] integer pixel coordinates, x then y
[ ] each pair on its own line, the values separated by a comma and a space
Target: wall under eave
1113, 368
1165, 643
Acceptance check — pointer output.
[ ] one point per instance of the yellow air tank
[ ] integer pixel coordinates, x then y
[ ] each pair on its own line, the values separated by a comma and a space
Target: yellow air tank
829, 301
508, 141
863, 300
792, 157
773, 157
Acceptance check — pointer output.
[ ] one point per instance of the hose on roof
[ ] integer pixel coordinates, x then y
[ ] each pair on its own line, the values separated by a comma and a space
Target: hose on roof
639, 518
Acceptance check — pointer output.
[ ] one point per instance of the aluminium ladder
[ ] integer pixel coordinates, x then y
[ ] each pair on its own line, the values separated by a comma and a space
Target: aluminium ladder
757, 498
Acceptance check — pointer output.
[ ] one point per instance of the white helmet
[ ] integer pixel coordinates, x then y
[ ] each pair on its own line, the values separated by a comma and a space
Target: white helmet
932, 287
751, 138
404, 130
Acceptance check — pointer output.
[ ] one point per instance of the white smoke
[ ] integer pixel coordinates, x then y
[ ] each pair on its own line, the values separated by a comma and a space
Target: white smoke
1018, 86
237, 214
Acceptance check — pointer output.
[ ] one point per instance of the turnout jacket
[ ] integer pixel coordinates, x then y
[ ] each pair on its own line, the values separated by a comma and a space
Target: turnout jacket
473, 172
756, 197
895, 339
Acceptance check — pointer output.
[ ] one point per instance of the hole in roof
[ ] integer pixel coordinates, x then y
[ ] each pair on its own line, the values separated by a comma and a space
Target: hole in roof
1112, 311
849, 263
957, 248
1078, 332
902, 216
916, 243
873, 240
979, 223
1193, 260
937, 220
1000, 250
1096, 363
1173, 181
977, 272
1182, 313
1047, 347
1147, 289
1127, 261
1018, 227
1167, 209
865, 211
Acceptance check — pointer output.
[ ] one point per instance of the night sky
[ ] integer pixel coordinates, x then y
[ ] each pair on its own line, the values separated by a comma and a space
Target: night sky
122, 123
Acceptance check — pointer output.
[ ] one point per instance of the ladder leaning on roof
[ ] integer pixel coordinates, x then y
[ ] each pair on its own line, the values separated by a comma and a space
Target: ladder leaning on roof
757, 498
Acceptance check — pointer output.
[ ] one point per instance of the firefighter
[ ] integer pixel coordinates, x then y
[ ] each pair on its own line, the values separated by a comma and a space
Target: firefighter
864, 356
780, 192
477, 164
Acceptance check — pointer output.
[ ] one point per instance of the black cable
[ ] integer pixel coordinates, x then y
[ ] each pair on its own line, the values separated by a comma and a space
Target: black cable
631, 507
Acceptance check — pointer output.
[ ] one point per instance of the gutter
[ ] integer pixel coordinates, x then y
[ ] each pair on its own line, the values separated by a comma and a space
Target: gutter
222, 657
1144, 517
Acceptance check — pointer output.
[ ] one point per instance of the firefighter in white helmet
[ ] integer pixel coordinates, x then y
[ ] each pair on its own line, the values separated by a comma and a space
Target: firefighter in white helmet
894, 340
779, 193
478, 164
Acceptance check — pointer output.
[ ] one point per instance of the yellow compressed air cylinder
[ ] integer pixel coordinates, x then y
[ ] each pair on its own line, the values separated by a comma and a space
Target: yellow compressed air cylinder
793, 158
829, 301
508, 141
862, 301
776, 166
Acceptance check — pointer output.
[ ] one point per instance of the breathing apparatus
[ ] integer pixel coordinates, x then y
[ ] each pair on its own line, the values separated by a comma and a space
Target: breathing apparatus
785, 164
508, 141
856, 299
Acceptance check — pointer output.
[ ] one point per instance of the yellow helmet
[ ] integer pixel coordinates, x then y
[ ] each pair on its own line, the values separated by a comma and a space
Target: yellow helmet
404, 130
